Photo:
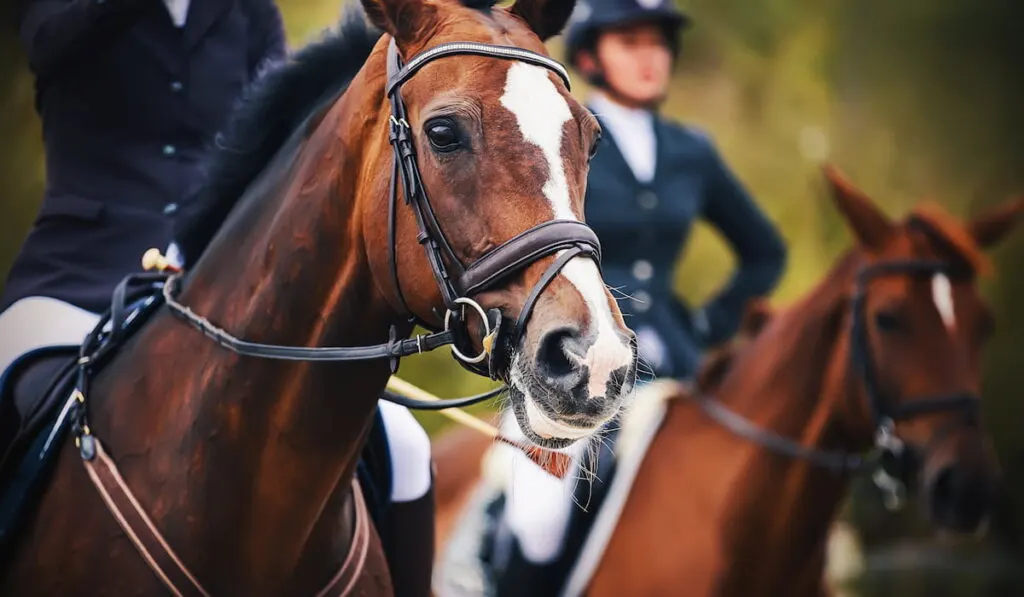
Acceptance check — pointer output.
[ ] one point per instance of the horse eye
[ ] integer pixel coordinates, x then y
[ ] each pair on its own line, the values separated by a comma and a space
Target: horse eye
443, 135
594, 147
888, 321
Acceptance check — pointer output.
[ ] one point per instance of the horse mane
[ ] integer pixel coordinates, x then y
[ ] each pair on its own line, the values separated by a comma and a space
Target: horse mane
265, 117
948, 232
757, 314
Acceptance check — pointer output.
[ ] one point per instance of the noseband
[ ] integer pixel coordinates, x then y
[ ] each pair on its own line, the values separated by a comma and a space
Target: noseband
892, 460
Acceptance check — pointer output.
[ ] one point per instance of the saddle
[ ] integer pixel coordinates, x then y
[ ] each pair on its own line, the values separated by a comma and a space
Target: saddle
37, 395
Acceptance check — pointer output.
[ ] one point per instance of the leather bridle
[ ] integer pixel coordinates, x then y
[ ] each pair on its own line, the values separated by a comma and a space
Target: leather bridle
456, 281
564, 239
894, 463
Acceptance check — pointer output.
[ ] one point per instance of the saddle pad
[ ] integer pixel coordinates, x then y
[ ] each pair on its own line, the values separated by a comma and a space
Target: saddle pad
639, 427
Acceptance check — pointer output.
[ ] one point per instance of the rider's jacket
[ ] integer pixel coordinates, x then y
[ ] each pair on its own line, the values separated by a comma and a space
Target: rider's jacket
643, 226
129, 102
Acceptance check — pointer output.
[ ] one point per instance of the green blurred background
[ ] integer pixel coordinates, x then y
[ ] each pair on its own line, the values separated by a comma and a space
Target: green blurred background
912, 99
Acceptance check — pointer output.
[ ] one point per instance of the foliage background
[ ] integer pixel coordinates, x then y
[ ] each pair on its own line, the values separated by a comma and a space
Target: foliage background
913, 99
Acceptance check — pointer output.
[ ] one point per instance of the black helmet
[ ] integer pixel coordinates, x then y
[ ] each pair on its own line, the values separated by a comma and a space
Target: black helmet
592, 16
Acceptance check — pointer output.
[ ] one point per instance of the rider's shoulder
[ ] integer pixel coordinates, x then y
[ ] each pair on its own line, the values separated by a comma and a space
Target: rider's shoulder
688, 135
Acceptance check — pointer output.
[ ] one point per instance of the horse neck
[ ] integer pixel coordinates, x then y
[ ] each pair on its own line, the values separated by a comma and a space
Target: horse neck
792, 380
265, 450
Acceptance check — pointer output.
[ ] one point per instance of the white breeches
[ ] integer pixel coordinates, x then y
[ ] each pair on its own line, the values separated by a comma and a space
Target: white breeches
409, 447
537, 505
36, 322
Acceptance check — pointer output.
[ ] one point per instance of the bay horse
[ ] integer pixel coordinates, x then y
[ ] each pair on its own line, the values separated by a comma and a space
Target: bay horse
877, 368
219, 458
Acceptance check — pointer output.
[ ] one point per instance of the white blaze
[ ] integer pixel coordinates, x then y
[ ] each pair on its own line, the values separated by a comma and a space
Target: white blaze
942, 296
541, 113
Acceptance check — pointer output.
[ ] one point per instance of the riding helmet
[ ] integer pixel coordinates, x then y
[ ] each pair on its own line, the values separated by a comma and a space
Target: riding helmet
592, 16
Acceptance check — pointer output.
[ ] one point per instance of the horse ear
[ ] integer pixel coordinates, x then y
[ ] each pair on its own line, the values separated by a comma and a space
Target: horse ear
546, 18
872, 228
990, 227
403, 20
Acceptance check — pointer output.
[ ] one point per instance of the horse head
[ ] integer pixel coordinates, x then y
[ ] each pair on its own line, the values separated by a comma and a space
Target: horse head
918, 329
502, 150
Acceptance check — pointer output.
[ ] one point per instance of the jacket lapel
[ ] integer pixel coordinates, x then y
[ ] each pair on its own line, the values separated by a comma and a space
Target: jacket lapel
661, 149
160, 37
610, 147
202, 14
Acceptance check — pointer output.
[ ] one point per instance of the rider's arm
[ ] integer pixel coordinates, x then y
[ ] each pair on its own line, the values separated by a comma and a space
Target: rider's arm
757, 244
268, 44
56, 32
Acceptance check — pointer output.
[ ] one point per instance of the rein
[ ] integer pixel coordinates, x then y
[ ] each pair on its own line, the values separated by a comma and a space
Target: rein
456, 281
891, 458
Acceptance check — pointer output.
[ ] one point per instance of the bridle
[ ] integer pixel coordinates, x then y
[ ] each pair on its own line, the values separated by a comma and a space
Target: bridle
893, 461
457, 282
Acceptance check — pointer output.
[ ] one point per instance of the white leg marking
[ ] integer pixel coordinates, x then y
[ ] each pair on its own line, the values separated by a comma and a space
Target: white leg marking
942, 296
541, 113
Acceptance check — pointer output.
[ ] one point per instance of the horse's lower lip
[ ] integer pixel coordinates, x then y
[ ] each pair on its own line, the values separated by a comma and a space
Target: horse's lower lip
546, 427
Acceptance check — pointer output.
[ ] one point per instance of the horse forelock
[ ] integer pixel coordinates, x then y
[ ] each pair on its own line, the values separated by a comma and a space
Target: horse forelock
951, 236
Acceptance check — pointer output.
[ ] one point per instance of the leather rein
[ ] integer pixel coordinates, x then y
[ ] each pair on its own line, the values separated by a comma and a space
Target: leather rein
565, 239
893, 461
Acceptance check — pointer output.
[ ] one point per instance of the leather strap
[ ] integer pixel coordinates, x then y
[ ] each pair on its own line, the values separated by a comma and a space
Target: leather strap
140, 529
162, 560
525, 248
549, 275
397, 76
352, 568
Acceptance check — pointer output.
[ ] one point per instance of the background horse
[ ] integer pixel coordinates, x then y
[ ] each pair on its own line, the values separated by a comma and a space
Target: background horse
893, 333
244, 465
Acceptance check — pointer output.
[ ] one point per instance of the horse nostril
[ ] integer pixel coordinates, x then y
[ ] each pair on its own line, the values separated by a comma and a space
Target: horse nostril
944, 488
960, 498
560, 353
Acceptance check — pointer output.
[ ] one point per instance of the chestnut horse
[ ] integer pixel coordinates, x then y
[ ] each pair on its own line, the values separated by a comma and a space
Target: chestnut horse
244, 465
877, 368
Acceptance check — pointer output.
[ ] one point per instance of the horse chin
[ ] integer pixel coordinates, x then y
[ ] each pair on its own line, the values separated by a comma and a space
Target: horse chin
540, 427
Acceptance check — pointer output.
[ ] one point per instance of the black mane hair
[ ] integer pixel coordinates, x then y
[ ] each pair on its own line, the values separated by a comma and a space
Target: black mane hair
265, 117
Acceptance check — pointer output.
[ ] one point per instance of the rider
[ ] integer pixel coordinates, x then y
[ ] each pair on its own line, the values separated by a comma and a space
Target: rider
131, 92
649, 181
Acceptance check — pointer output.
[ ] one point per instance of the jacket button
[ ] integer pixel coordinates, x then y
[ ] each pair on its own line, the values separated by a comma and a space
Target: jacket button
170, 209
643, 270
170, 150
641, 301
177, 86
647, 200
